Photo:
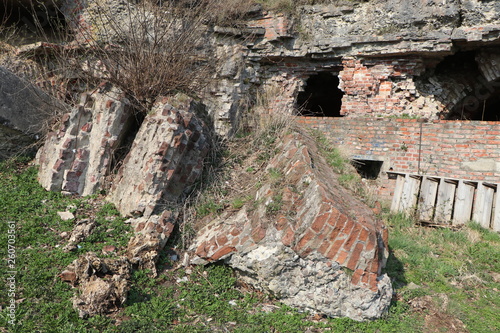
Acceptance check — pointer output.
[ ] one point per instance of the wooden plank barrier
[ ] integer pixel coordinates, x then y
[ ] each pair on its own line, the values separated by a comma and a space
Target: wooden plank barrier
447, 201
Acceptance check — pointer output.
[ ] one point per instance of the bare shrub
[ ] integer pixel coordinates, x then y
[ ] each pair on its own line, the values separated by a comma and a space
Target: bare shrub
147, 48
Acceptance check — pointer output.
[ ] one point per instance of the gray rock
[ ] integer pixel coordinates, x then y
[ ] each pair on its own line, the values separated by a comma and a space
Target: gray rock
25, 107
65, 216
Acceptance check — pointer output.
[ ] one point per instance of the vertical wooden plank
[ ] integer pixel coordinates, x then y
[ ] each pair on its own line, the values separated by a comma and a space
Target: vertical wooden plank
427, 199
495, 224
488, 206
410, 194
463, 202
398, 193
445, 201
477, 207
483, 204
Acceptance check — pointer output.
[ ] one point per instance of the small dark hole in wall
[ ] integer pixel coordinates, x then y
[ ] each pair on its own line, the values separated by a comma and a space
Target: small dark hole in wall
321, 96
368, 169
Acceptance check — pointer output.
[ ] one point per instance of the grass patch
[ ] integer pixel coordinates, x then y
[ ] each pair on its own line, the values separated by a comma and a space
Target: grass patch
460, 264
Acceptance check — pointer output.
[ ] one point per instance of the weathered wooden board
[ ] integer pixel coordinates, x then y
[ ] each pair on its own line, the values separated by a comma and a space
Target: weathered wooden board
463, 202
409, 197
398, 193
483, 204
445, 201
427, 198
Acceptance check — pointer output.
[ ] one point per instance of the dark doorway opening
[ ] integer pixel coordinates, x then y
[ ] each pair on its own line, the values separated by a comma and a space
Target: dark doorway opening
321, 96
368, 169
483, 104
482, 100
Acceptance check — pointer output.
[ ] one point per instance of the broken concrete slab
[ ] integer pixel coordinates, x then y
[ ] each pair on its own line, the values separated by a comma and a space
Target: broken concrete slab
165, 159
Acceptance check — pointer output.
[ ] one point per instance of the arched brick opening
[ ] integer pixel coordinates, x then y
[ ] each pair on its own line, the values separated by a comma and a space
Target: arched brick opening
470, 95
321, 96
482, 103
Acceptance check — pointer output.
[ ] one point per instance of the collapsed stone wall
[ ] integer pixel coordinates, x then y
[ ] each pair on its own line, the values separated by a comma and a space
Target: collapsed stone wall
323, 251
386, 56
105, 144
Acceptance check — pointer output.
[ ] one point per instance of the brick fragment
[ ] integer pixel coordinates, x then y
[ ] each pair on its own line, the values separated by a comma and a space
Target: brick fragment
355, 255
225, 250
334, 249
288, 236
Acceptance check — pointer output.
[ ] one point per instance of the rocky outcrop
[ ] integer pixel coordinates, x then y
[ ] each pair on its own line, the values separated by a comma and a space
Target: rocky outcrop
166, 157
380, 27
305, 239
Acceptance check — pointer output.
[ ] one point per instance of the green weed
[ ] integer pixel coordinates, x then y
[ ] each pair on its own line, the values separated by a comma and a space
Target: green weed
207, 208
237, 203
274, 206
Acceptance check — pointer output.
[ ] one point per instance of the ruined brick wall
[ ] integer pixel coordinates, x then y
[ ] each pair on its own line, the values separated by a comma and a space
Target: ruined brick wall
453, 149
382, 86
275, 25
389, 86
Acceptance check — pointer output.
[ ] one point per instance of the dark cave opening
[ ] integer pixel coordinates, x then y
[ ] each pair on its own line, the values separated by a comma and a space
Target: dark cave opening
482, 100
368, 169
321, 96
482, 104
25, 22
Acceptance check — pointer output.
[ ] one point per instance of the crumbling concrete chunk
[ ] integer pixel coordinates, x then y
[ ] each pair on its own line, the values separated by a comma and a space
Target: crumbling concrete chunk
165, 159
78, 157
322, 251
151, 235
102, 283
